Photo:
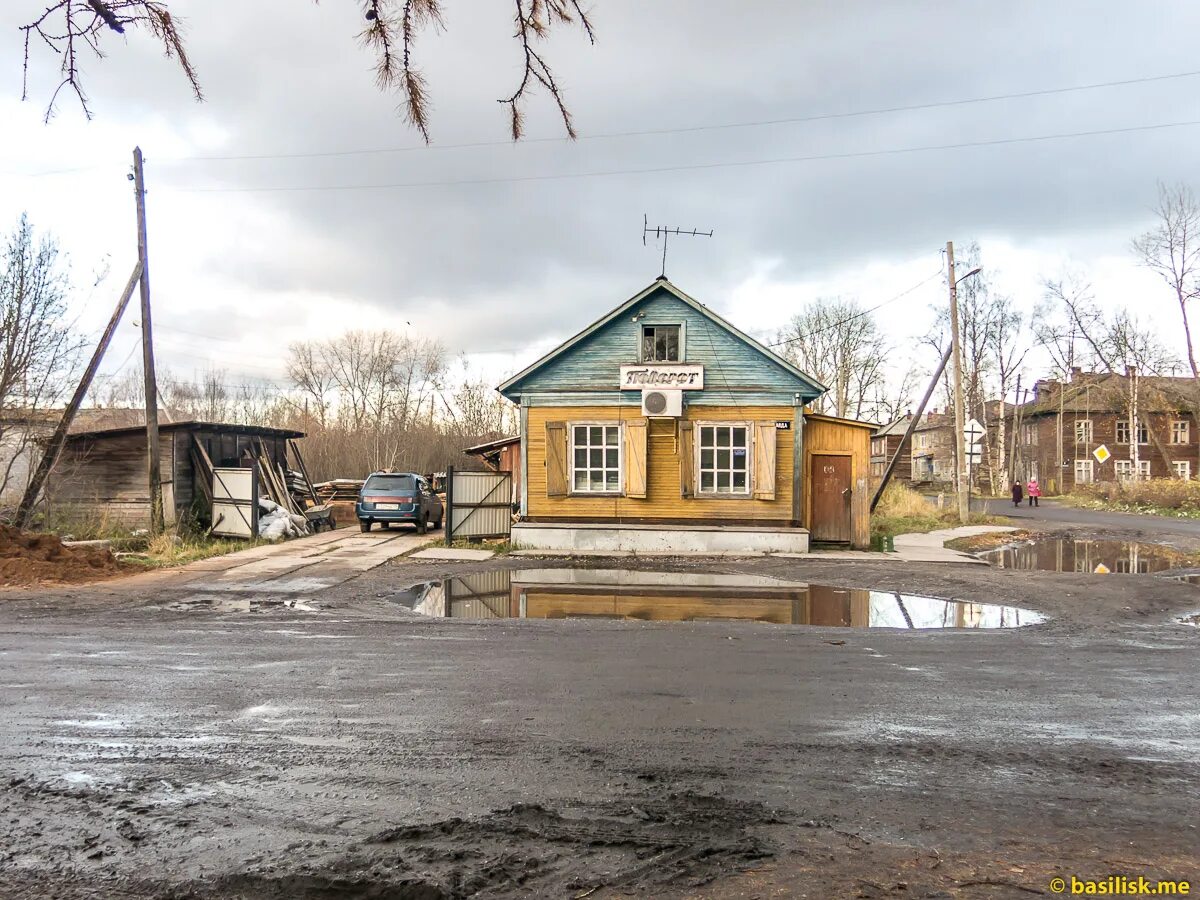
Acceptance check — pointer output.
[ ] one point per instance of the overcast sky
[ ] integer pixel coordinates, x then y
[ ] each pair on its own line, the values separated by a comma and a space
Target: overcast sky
490, 250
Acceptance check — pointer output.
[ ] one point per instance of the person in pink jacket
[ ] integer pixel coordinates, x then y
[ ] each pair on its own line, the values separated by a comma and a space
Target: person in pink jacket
1033, 491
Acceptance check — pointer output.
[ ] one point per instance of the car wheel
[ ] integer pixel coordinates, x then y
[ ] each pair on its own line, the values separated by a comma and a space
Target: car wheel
364, 524
437, 526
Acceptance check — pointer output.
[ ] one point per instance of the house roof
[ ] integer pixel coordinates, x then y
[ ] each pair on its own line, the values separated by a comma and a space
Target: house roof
854, 423
1109, 392
492, 445
664, 283
897, 426
190, 425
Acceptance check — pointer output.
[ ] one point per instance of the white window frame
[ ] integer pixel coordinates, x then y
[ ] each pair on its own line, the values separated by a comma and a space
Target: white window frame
1143, 468
641, 350
620, 447
1084, 465
698, 432
1122, 432
1143, 433
1123, 468
1031, 435
1182, 469
1085, 426
1181, 427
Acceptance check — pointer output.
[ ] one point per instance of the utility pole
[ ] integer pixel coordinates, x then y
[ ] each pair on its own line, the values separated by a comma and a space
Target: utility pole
151, 386
960, 469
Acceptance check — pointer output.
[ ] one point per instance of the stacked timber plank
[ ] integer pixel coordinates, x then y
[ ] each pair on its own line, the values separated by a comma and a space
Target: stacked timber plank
273, 481
338, 489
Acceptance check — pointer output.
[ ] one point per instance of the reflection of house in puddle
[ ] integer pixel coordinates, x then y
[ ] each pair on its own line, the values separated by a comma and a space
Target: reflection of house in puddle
1100, 557
676, 597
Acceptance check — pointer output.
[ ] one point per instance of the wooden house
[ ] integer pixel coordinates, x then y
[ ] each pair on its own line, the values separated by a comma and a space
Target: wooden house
885, 443
103, 473
662, 427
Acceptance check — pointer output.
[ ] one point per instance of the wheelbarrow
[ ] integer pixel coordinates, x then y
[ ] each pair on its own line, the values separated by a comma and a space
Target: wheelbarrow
320, 516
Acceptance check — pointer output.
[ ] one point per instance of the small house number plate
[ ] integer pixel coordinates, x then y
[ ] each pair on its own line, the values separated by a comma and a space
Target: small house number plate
783, 426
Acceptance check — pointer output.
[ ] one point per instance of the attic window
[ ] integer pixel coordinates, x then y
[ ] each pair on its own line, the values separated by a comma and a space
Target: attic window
660, 343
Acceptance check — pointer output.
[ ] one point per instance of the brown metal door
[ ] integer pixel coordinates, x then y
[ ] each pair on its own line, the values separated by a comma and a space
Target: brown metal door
831, 498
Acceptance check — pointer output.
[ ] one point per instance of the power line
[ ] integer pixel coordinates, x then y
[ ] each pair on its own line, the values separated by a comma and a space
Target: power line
860, 314
858, 154
720, 126
686, 129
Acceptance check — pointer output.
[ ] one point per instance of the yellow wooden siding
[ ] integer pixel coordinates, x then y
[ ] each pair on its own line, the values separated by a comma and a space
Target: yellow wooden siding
841, 439
663, 499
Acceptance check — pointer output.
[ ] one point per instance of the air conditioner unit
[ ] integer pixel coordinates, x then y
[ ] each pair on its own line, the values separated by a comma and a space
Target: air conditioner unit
665, 404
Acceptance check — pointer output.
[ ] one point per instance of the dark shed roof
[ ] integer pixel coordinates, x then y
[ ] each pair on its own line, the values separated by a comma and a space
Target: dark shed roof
192, 425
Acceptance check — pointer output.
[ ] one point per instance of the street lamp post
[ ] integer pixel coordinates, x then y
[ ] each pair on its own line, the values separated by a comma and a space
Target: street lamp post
962, 485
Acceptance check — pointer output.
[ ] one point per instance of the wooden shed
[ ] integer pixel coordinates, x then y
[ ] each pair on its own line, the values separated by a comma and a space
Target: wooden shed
103, 473
837, 460
503, 455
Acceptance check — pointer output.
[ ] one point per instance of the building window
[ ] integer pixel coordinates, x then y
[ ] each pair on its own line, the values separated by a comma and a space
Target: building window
660, 343
596, 459
1123, 432
1180, 433
1083, 431
1143, 468
1030, 435
1124, 469
1083, 471
1182, 468
724, 452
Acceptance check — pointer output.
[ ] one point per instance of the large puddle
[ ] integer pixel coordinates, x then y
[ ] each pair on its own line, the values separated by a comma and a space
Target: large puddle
1098, 557
675, 597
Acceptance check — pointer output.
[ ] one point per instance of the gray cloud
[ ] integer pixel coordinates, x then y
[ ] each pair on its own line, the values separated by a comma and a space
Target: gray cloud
505, 263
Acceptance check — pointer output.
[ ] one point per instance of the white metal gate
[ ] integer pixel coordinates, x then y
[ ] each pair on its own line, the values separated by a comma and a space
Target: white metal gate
478, 505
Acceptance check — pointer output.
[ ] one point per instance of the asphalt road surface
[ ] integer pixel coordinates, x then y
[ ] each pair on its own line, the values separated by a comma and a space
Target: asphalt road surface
343, 747
1056, 514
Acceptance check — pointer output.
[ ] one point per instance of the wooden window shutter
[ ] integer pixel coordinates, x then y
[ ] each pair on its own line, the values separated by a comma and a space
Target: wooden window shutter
635, 458
556, 459
687, 461
764, 461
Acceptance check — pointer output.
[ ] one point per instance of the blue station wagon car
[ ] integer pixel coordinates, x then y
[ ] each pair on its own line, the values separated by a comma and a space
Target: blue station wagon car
398, 497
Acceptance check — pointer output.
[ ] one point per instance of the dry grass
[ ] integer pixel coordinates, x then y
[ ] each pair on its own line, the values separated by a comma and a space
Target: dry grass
1160, 496
902, 510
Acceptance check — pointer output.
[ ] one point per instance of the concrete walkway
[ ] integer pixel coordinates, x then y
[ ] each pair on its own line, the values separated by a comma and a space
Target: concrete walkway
931, 546
303, 565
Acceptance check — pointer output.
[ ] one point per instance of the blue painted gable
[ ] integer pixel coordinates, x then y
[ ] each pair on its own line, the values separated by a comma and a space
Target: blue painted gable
736, 369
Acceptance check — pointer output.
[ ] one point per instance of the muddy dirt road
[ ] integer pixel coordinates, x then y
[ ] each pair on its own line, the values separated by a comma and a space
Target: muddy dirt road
357, 750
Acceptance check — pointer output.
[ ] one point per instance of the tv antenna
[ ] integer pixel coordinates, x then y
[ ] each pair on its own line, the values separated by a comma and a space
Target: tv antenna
664, 231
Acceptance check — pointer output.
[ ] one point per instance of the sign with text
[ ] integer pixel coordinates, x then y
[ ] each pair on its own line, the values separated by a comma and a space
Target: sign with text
662, 377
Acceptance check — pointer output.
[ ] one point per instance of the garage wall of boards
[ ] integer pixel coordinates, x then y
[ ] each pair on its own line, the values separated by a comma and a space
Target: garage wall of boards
662, 412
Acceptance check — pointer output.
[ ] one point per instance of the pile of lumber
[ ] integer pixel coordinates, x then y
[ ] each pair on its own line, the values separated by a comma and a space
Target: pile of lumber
338, 489
273, 481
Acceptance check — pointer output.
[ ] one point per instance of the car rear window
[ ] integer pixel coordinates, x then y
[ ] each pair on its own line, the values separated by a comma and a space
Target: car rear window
391, 484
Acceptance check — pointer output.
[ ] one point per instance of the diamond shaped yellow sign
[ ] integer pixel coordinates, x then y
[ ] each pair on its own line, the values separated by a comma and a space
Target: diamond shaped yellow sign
1101, 453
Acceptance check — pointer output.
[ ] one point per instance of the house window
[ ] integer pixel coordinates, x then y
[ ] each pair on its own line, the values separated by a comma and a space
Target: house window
1124, 469
660, 343
596, 459
1143, 468
724, 458
1083, 471
1180, 433
1123, 432
1182, 468
1083, 431
1030, 435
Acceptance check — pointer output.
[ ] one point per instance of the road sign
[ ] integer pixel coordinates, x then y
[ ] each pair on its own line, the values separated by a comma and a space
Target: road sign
1101, 569
972, 432
1101, 453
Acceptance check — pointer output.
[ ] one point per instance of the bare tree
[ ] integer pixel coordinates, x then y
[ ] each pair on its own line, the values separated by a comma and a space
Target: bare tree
38, 351
837, 342
1172, 249
71, 29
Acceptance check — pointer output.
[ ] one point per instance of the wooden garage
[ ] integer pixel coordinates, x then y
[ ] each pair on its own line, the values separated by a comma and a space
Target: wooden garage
102, 474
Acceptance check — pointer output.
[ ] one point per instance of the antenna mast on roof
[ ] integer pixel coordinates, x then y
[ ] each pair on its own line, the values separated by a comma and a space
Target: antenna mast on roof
663, 231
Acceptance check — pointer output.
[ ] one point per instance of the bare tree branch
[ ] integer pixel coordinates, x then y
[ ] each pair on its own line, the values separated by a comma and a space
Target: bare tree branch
71, 27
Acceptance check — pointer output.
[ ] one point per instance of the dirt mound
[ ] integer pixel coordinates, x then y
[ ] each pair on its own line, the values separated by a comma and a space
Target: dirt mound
29, 558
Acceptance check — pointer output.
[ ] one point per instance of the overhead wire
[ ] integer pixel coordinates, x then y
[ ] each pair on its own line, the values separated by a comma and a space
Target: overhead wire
657, 170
